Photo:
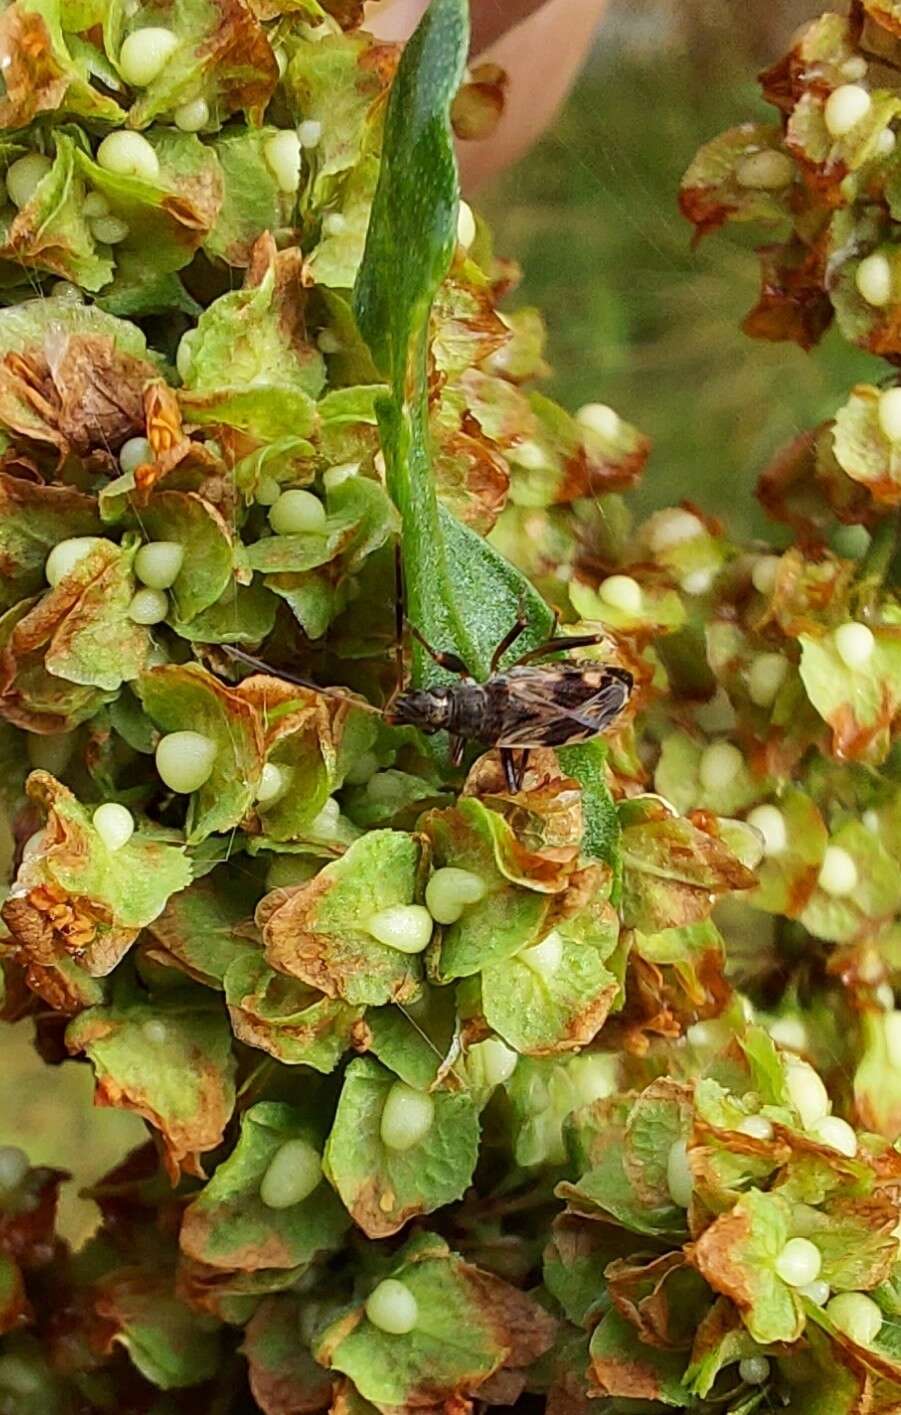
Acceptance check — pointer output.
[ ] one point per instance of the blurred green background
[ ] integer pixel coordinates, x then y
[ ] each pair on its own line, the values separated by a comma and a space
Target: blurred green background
636, 319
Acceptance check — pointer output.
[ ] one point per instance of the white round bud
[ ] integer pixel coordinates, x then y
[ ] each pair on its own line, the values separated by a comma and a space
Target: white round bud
185, 760
764, 573
621, 592
679, 1177
873, 278
128, 155
134, 453
407, 1117
309, 132
148, 607
192, 116
831, 1130
756, 1126
406, 927
466, 226
497, 1060
856, 1315
24, 176
672, 526
114, 824
450, 890
888, 413
720, 764
601, 419
838, 875
158, 563
392, 1308
766, 171
770, 821
297, 512
766, 675
845, 108
799, 1262
754, 1370
66, 554
282, 154
145, 53
292, 1174
807, 1093
273, 781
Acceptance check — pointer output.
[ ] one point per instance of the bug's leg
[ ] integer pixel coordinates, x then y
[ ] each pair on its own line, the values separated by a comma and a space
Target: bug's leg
561, 645
457, 748
520, 767
451, 661
513, 633
508, 764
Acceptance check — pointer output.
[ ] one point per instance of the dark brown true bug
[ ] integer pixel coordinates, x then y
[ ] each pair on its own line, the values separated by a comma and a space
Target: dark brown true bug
526, 705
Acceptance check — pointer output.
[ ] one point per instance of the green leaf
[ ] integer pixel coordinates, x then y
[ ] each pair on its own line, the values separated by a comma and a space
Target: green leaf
876, 896
536, 1012
40, 75
711, 192
168, 218
507, 918
340, 82
859, 704
168, 1060
280, 1366
285, 1017
623, 1365
84, 622
188, 698
469, 1325
415, 1042
787, 880
671, 869
251, 200
335, 261
51, 231
33, 517
737, 1255
223, 56
229, 1226
251, 365
384, 1188
171, 1345
317, 932
198, 931
585, 762
460, 593
206, 571
112, 894
243, 614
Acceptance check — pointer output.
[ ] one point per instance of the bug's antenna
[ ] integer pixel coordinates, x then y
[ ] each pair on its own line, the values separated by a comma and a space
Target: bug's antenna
259, 665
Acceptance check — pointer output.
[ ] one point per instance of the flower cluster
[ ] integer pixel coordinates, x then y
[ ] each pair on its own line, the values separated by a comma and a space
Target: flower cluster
456, 1090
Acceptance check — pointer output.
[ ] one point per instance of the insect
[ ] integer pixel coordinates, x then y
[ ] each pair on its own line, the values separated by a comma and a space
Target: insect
527, 705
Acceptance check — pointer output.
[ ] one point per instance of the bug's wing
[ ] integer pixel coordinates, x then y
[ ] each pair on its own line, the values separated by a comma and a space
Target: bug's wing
537, 717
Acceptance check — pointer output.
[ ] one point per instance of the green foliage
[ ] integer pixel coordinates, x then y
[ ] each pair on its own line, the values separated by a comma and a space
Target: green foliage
462, 1083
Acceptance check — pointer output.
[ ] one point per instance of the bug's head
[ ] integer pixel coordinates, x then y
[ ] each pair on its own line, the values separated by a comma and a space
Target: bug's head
419, 708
